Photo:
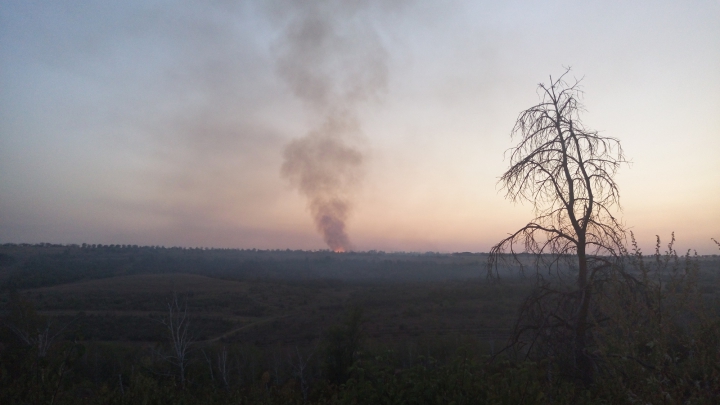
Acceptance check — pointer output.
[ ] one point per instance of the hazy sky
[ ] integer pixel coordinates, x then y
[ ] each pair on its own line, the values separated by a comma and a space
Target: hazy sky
166, 123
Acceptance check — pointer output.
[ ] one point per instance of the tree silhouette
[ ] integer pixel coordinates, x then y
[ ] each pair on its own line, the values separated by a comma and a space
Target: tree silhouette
566, 172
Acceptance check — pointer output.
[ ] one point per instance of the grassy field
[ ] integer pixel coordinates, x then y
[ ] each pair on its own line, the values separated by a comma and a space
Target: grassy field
119, 293
266, 325
278, 312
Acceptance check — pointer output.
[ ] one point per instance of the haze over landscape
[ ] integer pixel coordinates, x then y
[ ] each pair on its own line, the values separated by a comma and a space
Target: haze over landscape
255, 124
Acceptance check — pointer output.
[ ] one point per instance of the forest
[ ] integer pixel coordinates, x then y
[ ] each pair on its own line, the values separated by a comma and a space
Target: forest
129, 324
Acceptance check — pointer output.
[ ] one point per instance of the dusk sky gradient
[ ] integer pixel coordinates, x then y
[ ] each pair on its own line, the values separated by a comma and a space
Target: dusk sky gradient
165, 123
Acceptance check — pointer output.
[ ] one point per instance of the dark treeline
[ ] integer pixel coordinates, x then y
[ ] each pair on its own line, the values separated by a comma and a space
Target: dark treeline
30, 266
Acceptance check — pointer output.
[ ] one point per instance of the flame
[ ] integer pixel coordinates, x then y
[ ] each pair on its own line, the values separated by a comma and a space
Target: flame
339, 250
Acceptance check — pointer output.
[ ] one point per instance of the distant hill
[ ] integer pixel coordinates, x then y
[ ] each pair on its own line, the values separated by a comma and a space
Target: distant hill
31, 266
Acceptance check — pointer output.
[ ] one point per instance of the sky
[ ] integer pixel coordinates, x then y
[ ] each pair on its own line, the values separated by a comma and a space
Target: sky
208, 123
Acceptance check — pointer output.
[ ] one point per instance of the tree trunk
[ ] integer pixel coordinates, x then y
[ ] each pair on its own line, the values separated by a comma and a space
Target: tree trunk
582, 361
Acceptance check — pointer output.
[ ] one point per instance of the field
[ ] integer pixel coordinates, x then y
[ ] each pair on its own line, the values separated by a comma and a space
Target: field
268, 310
255, 314
277, 312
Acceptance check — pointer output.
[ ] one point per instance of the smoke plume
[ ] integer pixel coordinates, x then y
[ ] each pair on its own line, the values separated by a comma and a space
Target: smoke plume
333, 60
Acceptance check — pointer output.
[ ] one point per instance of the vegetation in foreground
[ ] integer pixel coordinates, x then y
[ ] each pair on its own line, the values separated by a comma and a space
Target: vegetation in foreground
331, 341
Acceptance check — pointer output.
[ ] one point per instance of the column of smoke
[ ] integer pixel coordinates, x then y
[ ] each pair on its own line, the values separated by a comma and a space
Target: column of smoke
333, 61
325, 169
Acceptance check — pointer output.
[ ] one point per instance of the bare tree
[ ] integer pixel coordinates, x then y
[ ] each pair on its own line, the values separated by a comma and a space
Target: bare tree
300, 364
210, 365
566, 172
223, 366
33, 330
181, 339
42, 338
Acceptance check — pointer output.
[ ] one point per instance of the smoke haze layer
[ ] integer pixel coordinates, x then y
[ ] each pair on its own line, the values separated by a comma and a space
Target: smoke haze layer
332, 59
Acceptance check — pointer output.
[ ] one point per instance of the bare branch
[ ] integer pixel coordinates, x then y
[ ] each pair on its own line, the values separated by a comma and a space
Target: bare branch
566, 172
180, 336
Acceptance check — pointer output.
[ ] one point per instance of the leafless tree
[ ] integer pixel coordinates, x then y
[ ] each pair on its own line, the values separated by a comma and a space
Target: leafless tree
181, 338
222, 358
33, 330
300, 364
566, 172
222, 365
41, 338
210, 365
